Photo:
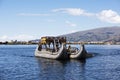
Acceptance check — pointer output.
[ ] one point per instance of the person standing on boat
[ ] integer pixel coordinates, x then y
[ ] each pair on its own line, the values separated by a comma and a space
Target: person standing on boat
69, 47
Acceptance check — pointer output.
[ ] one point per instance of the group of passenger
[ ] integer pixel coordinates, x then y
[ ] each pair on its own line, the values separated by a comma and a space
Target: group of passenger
45, 43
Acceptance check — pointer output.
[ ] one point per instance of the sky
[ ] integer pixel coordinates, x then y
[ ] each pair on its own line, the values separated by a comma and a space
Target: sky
31, 19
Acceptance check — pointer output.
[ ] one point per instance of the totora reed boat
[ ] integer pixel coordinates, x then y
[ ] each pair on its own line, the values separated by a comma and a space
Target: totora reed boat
58, 48
76, 53
52, 47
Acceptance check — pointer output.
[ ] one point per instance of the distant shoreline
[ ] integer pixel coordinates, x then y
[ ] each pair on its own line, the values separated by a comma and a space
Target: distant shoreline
37, 44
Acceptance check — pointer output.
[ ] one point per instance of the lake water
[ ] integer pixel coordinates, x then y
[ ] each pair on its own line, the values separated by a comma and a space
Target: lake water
17, 62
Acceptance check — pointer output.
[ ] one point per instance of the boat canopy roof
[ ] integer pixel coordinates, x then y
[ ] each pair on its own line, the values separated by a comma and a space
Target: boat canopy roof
49, 39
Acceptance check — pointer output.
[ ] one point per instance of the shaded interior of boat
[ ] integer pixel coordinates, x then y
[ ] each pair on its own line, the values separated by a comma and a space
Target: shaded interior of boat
52, 44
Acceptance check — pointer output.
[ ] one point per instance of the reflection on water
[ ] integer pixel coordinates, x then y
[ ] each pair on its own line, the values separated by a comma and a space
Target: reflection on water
61, 70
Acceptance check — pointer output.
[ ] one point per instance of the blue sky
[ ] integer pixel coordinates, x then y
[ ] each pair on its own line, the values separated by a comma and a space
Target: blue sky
31, 19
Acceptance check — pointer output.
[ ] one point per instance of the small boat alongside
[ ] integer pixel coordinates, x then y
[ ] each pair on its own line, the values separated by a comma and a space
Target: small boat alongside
78, 53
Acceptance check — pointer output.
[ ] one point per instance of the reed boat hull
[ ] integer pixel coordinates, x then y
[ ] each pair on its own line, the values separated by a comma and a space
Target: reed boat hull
61, 54
80, 54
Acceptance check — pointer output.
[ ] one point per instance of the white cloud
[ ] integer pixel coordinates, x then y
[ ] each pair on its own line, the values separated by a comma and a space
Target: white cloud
51, 20
73, 31
70, 24
109, 16
73, 11
4, 37
21, 37
32, 14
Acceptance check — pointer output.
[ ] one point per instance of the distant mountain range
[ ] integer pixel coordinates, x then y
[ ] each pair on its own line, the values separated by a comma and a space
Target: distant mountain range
98, 34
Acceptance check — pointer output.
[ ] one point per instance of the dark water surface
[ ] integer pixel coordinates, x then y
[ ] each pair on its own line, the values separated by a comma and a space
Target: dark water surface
17, 62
